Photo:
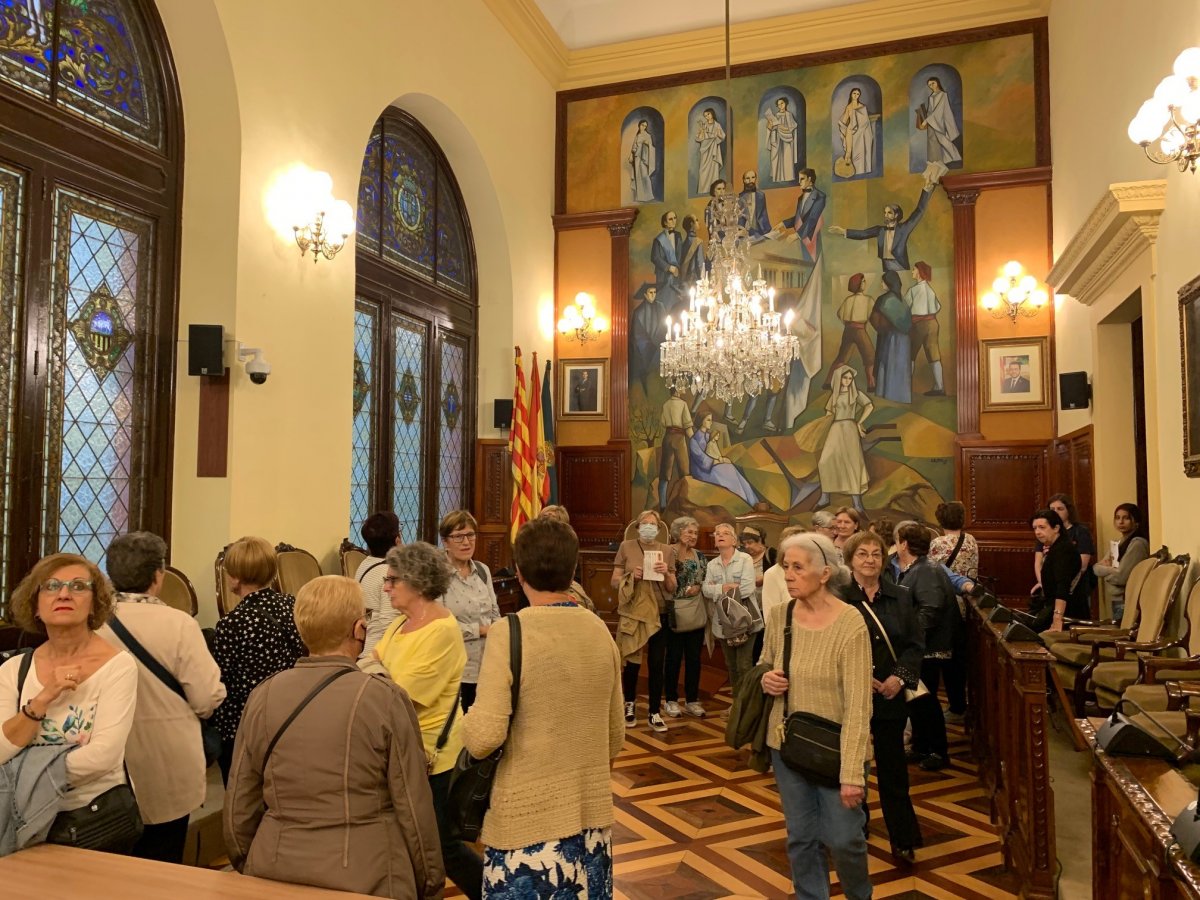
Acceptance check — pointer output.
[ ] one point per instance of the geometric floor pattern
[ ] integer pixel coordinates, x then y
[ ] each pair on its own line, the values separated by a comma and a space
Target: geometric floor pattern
693, 823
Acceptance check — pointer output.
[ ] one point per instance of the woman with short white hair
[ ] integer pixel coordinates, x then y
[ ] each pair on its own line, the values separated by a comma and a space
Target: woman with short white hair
731, 574
831, 658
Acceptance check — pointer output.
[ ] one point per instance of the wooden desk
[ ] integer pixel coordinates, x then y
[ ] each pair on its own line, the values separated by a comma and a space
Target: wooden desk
1134, 802
1008, 737
67, 872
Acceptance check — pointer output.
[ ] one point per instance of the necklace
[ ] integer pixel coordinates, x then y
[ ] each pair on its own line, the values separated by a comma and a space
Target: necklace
417, 623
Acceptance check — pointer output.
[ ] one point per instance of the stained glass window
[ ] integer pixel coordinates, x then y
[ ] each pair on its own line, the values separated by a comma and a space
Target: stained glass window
11, 197
101, 291
362, 445
453, 264
96, 63
408, 421
453, 400
369, 194
408, 173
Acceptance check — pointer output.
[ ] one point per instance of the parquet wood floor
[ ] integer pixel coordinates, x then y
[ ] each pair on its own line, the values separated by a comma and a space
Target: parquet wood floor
692, 823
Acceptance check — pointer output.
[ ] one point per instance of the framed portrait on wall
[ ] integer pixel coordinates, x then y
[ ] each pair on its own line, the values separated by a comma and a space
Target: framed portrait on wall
1014, 374
583, 389
1189, 359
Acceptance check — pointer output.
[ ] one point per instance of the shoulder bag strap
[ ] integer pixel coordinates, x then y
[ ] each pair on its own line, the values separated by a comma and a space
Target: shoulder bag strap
23, 672
882, 630
480, 571
514, 657
371, 568
787, 652
445, 735
962, 536
324, 683
157, 669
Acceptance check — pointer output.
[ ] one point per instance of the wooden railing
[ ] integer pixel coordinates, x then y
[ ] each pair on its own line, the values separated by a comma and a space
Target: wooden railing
1008, 736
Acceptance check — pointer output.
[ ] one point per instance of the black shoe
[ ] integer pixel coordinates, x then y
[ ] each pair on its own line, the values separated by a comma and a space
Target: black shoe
904, 854
914, 756
933, 762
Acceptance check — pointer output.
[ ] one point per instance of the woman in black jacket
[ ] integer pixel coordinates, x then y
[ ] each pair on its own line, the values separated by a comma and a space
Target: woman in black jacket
940, 622
1063, 592
891, 620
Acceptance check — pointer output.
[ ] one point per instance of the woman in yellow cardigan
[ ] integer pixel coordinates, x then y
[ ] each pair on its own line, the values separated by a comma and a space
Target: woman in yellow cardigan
423, 651
549, 825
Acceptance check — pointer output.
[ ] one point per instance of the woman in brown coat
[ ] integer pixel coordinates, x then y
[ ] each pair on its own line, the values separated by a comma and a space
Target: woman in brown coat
349, 803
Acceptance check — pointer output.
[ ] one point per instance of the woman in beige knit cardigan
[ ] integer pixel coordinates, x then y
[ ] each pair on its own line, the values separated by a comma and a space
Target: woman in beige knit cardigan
550, 821
830, 671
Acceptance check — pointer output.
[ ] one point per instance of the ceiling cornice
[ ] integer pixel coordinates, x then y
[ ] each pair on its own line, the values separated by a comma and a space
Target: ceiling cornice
875, 21
1122, 225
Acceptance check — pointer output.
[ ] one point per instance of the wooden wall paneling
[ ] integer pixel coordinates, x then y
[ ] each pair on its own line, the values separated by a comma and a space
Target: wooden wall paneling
1001, 484
1010, 562
594, 486
595, 574
1074, 472
492, 503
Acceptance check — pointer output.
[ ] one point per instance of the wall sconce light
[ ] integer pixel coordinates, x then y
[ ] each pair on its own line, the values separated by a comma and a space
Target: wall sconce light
1171, 118
1015, 293
580, 321
300, 202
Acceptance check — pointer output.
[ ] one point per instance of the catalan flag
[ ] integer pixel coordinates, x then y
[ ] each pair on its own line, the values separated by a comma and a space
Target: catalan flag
523, 459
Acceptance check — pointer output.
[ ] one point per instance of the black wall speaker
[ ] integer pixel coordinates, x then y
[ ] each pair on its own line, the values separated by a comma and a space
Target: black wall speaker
206, 350
1074, 392
502, 413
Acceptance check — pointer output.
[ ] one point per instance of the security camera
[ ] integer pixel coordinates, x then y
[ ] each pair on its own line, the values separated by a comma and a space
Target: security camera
257, 366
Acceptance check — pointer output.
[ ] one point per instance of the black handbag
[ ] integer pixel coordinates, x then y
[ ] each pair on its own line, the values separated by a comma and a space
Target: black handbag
470, 793
110, 822
209, 736
810, 744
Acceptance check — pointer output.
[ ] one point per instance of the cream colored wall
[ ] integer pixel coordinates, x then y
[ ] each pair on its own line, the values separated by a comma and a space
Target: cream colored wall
1106, 57
269, 83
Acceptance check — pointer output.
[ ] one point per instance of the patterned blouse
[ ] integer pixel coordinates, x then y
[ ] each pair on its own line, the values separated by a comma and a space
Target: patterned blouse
967, 561
689, 572
257, 639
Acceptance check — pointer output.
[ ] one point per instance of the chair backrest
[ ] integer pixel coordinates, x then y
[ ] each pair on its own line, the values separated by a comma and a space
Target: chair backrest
1133, 590
1192, 611
664, 536
1158, 593
296, 568
177, 591
226, 599
351, 556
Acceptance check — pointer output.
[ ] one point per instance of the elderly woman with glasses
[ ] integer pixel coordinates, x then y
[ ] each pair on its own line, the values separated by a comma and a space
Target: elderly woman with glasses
79, 691
423, 652
470, 596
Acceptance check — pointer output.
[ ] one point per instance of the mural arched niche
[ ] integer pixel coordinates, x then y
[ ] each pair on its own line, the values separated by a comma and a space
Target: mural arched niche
855, 109
710, 143
935, 139
642, 156
781, 144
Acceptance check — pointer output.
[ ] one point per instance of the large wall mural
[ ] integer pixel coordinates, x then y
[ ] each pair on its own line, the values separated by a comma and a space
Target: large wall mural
838, 168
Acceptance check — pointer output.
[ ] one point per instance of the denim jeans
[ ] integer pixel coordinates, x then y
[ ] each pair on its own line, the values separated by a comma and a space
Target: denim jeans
815, 816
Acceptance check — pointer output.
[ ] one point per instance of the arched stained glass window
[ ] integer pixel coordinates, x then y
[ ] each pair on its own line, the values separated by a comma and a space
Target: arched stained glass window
416, 274
89, 176
86, 56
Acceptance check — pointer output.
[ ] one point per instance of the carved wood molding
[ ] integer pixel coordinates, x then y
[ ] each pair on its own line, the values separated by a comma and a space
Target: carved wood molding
1120, 227
615, 220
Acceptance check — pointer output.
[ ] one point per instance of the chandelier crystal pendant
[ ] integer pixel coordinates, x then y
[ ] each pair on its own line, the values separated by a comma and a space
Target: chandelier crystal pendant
730, 342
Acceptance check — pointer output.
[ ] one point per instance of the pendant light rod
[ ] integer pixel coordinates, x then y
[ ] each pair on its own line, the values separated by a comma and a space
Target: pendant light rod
726, 46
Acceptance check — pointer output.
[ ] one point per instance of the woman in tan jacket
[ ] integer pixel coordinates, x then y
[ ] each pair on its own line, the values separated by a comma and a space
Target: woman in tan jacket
349, 803
549, 825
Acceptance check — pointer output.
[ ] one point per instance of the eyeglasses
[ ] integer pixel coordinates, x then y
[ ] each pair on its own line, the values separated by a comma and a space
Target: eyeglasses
75, 586
465, 538
391, 580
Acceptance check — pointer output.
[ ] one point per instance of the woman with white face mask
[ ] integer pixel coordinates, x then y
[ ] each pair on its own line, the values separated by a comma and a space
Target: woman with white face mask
645, 600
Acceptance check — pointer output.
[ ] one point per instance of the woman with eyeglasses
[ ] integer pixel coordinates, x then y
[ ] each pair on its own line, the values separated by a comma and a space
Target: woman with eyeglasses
79, 691
470, 597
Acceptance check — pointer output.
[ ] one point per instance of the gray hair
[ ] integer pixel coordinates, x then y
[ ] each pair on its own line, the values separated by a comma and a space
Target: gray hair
822, 518
680, 524
423, 567
818, 547
134, 560
649, 512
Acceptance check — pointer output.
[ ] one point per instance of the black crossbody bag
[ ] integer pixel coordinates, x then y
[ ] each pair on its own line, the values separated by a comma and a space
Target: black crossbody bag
471, 779
810, 744
209, 736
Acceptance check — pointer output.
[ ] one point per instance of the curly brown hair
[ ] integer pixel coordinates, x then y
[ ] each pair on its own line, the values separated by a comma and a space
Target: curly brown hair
23, 607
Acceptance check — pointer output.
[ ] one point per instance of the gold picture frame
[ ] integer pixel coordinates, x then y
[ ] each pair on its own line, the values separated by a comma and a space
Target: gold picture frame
1014, 374
583, 389
1189, 363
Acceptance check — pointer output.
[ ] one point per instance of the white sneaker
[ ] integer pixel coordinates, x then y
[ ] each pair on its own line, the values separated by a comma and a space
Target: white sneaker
671, 708
657, 723
630, 717
694, 709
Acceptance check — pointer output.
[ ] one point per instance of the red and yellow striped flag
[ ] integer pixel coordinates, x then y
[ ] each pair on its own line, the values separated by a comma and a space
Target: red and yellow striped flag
523, 462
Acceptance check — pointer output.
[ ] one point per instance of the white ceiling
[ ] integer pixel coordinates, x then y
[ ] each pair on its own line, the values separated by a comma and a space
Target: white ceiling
592, 23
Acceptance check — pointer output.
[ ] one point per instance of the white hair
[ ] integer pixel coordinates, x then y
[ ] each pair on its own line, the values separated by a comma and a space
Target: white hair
899, 525
822, 519
818, 547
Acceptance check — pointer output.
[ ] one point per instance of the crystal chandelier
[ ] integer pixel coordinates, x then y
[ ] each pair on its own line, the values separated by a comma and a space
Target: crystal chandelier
730, 342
